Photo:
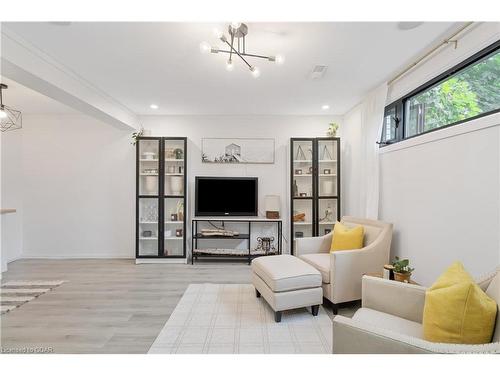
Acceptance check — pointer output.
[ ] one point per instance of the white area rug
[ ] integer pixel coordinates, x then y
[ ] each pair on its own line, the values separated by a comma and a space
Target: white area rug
16, 293
228, 319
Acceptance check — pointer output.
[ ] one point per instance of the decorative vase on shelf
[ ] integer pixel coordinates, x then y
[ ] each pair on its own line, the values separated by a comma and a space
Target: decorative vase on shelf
327, 188
176, 185
150, 183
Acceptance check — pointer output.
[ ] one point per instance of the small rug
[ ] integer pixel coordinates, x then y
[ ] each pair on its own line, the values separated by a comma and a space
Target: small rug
229, 319
16, 293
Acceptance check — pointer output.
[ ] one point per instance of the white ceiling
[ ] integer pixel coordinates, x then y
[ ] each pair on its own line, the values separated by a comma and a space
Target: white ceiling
143, 63
29, 101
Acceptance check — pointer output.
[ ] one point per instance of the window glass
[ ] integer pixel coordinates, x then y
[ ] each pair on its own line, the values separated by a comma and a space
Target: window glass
470, 92
389, 125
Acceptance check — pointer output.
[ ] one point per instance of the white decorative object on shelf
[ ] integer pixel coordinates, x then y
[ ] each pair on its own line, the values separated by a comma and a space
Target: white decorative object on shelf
175, 185
150, 184
149, 155
327, 186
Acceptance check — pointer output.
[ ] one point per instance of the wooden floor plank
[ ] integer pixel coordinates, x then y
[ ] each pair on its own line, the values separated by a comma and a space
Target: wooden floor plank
104, 305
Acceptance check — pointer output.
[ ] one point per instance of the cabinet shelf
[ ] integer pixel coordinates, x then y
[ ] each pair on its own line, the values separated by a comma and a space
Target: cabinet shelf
241, 236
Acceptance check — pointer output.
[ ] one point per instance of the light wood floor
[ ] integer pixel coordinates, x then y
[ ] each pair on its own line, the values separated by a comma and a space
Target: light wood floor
106, 306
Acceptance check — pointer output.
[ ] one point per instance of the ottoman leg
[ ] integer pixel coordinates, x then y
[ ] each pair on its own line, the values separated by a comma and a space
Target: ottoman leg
277, 316
315, 310
257, 293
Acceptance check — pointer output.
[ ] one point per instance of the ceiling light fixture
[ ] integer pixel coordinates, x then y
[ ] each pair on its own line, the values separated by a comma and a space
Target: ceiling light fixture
10, 118
237, 47
154, 106
408, 25
324, 107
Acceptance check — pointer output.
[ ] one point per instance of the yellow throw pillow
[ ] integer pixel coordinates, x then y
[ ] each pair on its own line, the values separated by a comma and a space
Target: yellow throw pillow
457, 310
345, 238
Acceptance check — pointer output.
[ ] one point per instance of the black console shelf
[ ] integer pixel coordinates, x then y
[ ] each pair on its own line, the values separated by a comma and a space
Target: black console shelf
243, 254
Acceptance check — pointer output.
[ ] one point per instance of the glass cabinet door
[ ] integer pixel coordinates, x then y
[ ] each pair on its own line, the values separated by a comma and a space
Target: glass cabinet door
327, 168
148, 212
148, 153
327, 179
174, 227
174, 167
302, 188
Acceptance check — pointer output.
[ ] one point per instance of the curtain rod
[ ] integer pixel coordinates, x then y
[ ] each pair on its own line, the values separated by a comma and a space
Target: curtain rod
443, 43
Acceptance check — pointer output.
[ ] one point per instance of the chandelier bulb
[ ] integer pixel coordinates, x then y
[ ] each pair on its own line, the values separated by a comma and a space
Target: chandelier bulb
3, 114
235, 25
255, 71
218, 33
229, 65
205, 47
279, 59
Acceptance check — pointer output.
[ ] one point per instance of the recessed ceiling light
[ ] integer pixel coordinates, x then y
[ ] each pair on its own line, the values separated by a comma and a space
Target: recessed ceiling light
154, 106
324, 107
408, 25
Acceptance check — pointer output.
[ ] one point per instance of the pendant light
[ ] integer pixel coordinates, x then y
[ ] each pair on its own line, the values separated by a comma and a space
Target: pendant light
10, 118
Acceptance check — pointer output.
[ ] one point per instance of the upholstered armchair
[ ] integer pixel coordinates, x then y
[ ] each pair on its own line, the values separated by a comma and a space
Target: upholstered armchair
341, 271
390, 321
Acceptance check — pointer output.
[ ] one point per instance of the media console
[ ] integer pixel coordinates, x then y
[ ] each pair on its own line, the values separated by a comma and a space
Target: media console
227, 252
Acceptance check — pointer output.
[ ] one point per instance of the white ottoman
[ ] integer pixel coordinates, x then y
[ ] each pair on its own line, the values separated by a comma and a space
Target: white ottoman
286, 282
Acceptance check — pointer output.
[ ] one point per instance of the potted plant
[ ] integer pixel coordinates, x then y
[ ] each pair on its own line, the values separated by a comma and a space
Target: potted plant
332, 129
137, 134
402, 270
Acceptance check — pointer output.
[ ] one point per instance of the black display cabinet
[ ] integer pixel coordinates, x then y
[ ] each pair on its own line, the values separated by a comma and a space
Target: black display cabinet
314, 186
161, 186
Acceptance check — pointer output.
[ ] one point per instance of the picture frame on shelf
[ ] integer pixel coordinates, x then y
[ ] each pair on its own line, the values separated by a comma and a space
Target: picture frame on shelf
299, 234
310, 170
327, 231
298, 171
302, 195
327, 171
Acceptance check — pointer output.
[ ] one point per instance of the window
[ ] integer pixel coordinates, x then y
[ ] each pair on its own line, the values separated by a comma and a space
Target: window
467, 91
390, 126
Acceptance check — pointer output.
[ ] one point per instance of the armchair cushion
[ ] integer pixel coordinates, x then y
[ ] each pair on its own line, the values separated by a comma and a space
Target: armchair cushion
457, 310
493, 291
345, 238
321, 262
390, 322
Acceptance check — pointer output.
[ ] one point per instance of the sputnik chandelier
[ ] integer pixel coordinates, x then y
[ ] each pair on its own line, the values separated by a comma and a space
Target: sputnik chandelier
237, 47
10, 119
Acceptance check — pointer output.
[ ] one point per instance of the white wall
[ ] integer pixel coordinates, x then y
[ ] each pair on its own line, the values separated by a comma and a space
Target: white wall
75, 177
442, 190
273, 178
12, 186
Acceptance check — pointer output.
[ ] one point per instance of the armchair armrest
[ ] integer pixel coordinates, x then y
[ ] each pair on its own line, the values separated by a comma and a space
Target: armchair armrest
394, 297
313, 245
350, 336
349, 266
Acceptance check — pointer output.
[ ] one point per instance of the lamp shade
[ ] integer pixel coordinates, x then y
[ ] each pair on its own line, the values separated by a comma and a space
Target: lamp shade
272, 203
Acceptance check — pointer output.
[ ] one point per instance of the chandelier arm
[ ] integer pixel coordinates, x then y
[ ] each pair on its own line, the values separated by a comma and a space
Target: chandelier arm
231, 52
245, 54
236, 52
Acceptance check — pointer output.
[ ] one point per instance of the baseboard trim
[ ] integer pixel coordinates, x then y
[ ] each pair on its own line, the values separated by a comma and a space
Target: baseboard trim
77, 256
161, 261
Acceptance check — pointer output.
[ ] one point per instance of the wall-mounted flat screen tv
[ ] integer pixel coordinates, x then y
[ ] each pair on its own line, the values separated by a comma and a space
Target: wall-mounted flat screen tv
226, 196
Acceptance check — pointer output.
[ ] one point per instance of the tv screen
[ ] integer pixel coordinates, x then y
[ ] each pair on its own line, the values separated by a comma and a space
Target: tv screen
226, 196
